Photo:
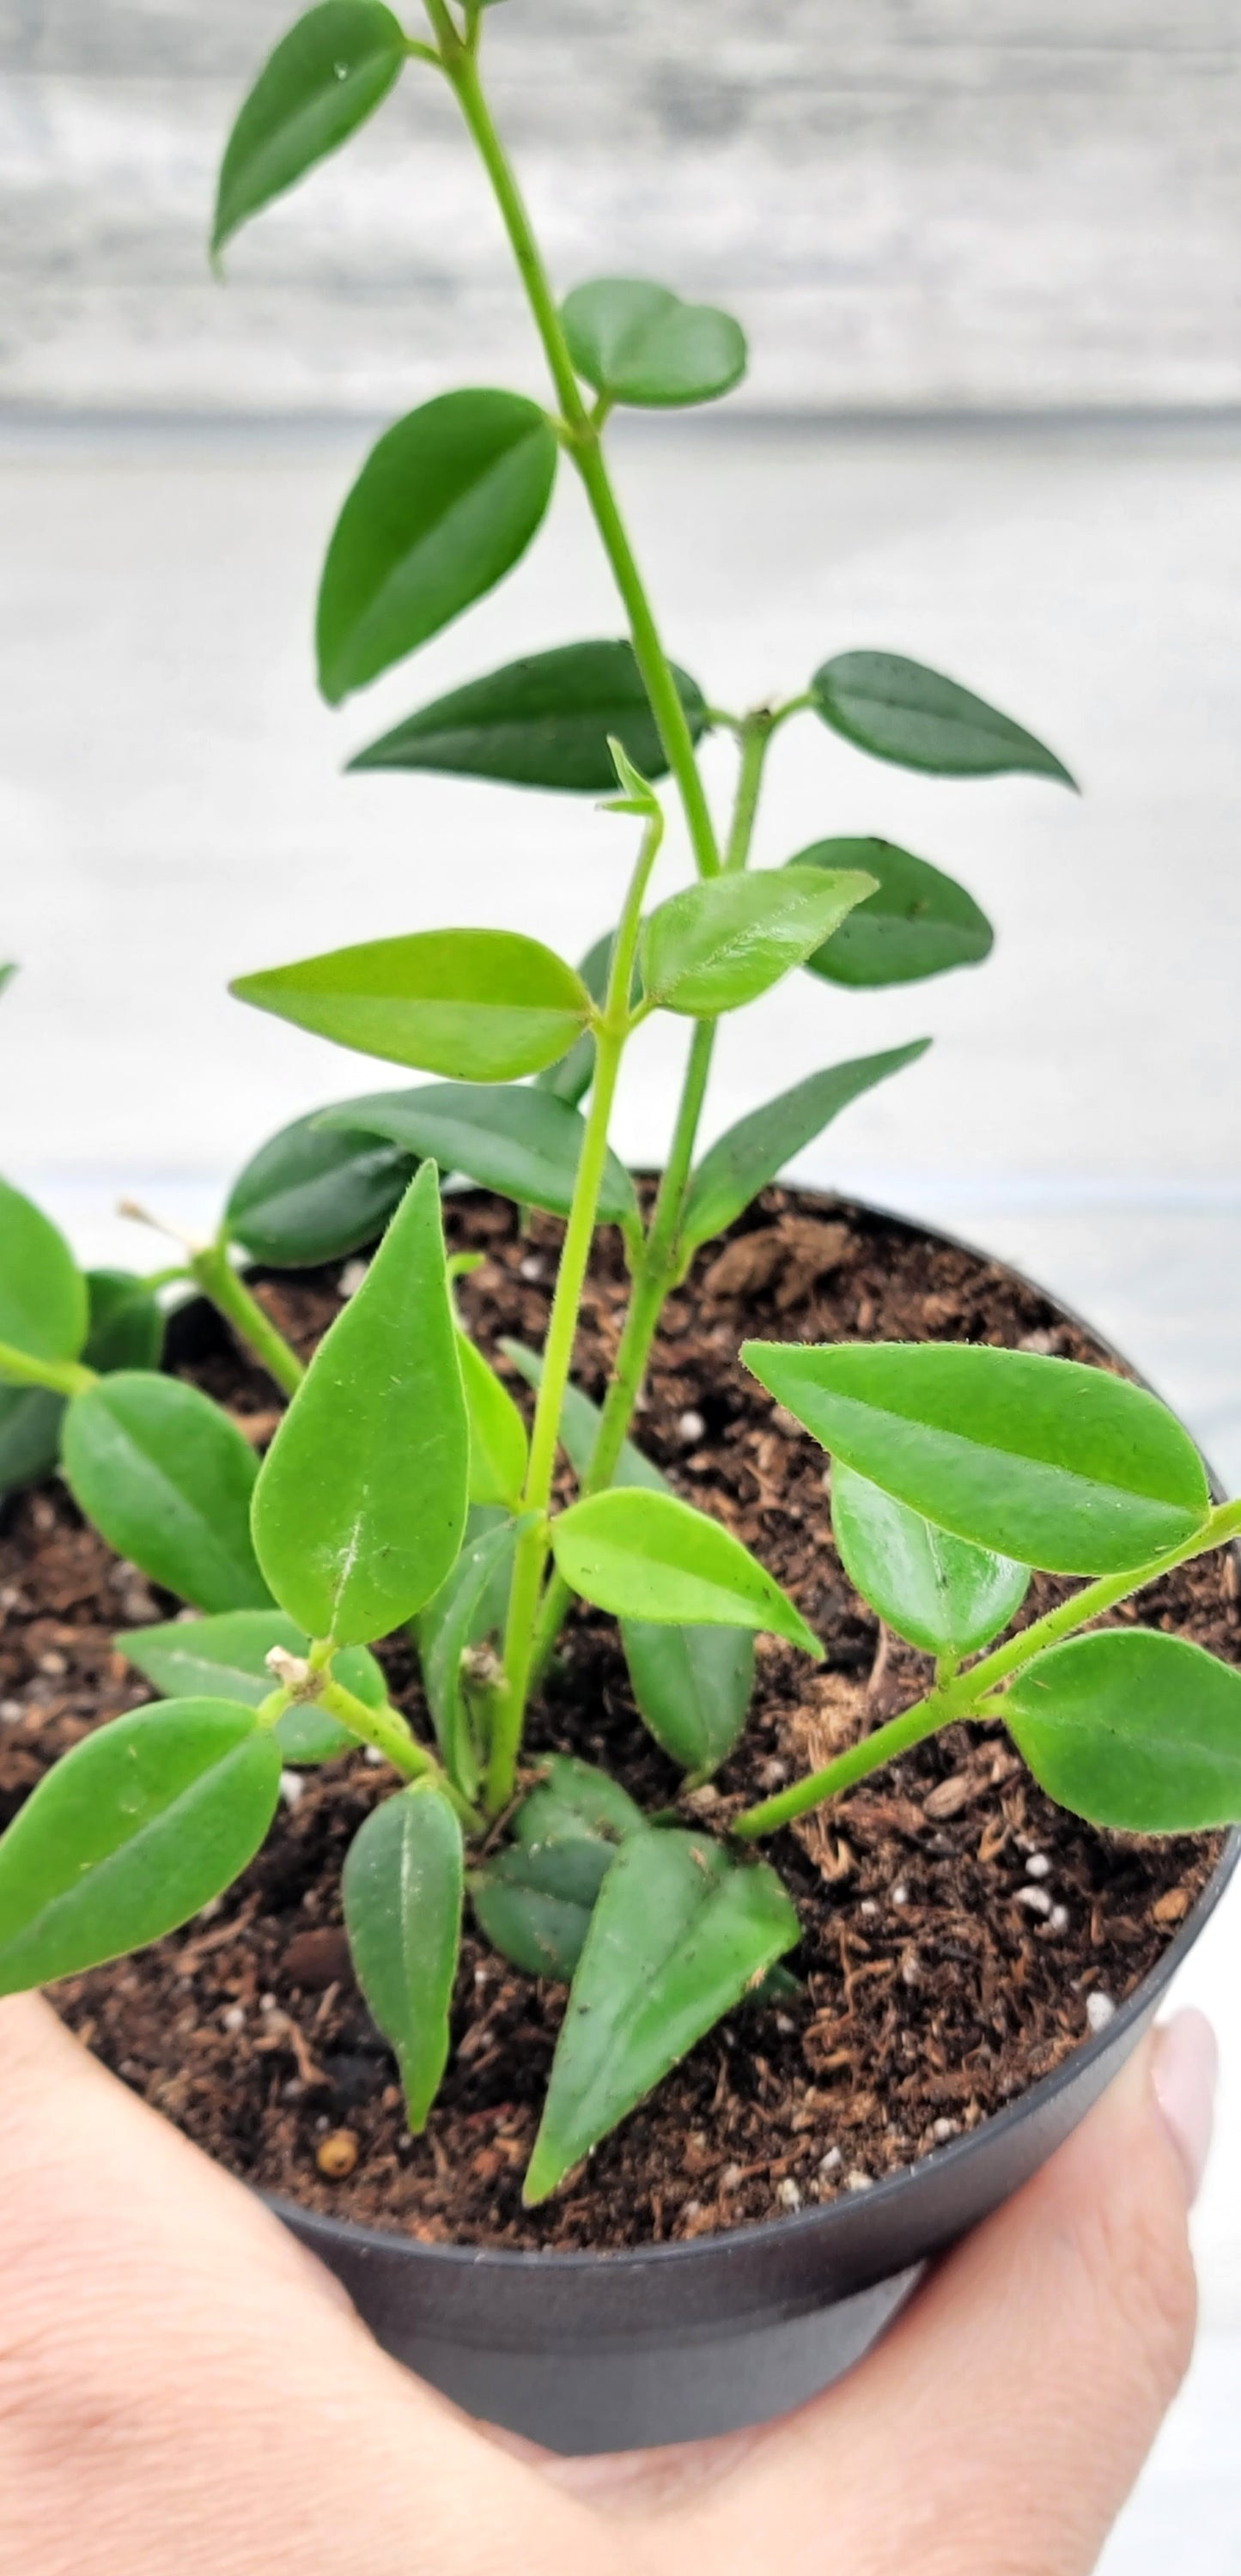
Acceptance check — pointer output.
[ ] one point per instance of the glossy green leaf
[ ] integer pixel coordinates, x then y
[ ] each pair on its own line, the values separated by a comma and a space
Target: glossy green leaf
1042, 1460
693, 1687
443, 507
43, 1303
482, 1005
425, 1626
542, 722
1132, 1729
938, 1592
680, 1930
360, 1506
226, 1658
126, 1330
498, 1445
571, 1076
130, 1834
917, 923
167, 1478
754, 1152
902, 712
315, 1193
572, 1797
648, 1556
722, 942
638, 343
324, 79
462, 1612
523, 1143
534, 1898
403, 1885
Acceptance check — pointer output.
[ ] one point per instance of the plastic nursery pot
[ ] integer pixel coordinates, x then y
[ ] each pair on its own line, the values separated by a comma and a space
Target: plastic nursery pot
670, 2343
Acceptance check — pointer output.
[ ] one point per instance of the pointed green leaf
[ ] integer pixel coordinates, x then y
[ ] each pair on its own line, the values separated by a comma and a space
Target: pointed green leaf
443, 507
1132, 1729
693, 1688
462, 1612
534, 1898
498, 1445
130, 1834
403, 1883
639, 344
572, 1797
722, 942
43, 1302
485, 1005
754, 1152
226, 1658
541, 722
314, 1193
324, 79
167, 1479
917, 923
360, 1506
648, 1556
902, 712
680, 1930
524, 1143
1042, 1460
936, 1591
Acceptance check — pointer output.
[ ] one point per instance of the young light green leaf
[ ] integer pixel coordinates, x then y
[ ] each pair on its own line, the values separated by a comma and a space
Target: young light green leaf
443, 507
648, 1556
324, 79
226, 1658
1132, 1729
315, 1193
902, 712
126, 1330
754, 1152
483, 1005
917, 923
360, 1506
130, 1834
1043, 1460
43, 1300
460, 1616
722, 942
680, 1931
403, 1884
524, 1143
167, 1478
498, 1444
534, 1898
542, 722
638, 343
693, 1687
936, 1591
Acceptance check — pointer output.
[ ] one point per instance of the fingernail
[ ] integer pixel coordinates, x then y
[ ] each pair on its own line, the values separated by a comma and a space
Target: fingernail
1183, 2072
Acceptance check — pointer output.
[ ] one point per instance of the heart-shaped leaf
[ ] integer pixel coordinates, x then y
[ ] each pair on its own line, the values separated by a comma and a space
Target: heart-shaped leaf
469, 1602
543, 722
722, 942
693, 1687
482, 1005
534, 1898
360, 1506
314, 1193
1133, 1730
226, 1658
498, 1444
938, 1592
638, 343
130, 1834
680, 1930
648, 1556
754, 1152
324, 79
917, 922
167, 1478
403, 1886
43, 1300
525, 1144
1042, 1460
902, 712
444, 506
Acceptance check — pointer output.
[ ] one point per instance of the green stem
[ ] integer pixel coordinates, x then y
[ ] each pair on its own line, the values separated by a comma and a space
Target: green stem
60, 1377
756, 733
219, 1281
386, 1730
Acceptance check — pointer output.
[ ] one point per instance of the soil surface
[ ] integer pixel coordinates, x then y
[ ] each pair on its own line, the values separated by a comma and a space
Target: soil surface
960, 1934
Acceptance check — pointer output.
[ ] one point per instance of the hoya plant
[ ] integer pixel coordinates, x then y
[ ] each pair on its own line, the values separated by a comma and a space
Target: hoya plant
403, 1491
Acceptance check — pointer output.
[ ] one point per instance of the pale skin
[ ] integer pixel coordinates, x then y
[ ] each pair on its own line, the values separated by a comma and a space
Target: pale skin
181, 2388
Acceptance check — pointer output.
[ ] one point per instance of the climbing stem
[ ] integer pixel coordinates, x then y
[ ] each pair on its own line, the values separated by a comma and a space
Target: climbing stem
219, 1281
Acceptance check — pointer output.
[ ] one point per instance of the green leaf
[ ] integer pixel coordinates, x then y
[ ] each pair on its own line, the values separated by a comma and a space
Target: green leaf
7, 973
902, 712
534, 1898
680, 1930
463, 1611
722, 942
403, 1883
482, 1005
30, 1420
638, 343
917, 923
936, 1591
360, 1506
130, 1834
571, 1076
693, 1687
426, 1624
442, 509
314, 1193
126, 1330
43, 1303
579, 1427
541, 722
226, 1658
1133, 1730
324, 79
1042, 1460
756, 1150
498, 1445
167, 1479
648, 1556
573, 1797
524, 1143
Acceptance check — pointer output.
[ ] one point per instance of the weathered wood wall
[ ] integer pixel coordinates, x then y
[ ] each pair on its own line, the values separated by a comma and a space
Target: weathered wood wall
914, 203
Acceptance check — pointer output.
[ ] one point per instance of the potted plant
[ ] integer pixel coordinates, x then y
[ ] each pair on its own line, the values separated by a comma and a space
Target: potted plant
586, 1825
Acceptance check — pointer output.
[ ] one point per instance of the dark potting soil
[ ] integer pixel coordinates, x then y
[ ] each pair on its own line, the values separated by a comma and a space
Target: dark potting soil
960, 1935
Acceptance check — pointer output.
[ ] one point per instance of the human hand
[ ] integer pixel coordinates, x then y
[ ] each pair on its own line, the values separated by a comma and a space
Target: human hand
183, 2390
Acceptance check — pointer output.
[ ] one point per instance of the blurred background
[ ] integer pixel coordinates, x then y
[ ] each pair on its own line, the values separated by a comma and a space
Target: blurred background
989, 261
